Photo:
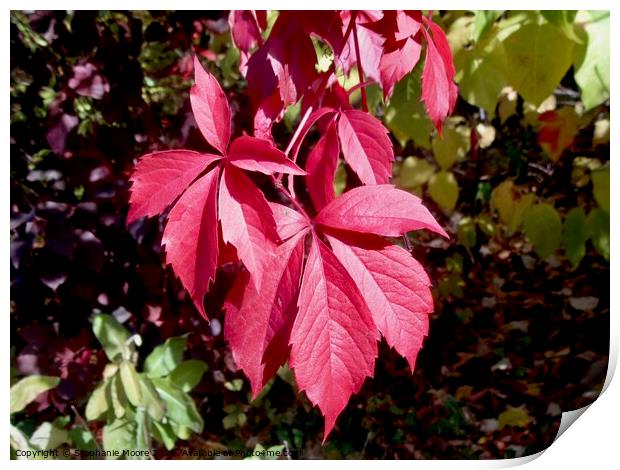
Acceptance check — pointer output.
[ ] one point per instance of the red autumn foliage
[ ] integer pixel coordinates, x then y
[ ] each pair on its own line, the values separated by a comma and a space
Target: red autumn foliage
321, 307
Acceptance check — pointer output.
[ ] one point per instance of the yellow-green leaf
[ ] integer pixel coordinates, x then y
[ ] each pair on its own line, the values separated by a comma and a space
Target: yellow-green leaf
543, 227
518, 417
591, 58
28, 389
131, 383
600, 182
414, 172
538, 57
444, 190
453, 144
575, 235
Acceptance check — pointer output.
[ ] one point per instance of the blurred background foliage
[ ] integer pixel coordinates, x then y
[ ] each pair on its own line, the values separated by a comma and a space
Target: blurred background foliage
107, 351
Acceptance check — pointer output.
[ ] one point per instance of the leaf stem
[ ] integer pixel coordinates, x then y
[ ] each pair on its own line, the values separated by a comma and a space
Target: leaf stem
280, 187
360, 68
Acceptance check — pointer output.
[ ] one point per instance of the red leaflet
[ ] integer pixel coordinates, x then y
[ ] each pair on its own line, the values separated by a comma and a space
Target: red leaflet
262, 318
190, 237
366, 146
379, 209
394, 286
370, 44
288, 221
247, 221
245, 27
282, 68
210, 108
250, 153
398, 63
333, 340
321, 168
160, 177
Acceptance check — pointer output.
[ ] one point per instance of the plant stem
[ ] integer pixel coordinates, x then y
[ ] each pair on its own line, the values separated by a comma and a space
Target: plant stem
360, 68
279, 186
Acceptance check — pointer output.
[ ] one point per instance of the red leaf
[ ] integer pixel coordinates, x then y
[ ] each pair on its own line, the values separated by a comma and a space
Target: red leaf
314, 117
366, 146
333, 340
288, 221
245, 30
370, 44
398, 63
191, 238
321, 168
210, 108
247, 221
439, 92
262, 319
379, 209
160, 177
284, 64
250, 153
395, 287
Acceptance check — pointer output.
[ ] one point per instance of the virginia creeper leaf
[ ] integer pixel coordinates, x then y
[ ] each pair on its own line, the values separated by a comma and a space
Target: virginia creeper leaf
160, 177
394, 286
263, 316
379, 209
247, 221
190, 237
210, 108
321, 168
250, 153
366, 146
333, 340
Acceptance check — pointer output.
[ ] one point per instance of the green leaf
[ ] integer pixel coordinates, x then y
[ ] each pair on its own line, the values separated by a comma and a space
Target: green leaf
538, 57
591, 58
120, 435
150, 399
564, 20
413, 172
453, 145
188, 374
466, 232
481, 72
179, 405
165, 357
543, 227
444, 190
600, 182
234, 385
117, 397
131, 383
99, 402
112, 336
405, 114
182, 432
509, 205
598, 223
82, 438
483, 20
28, 389
575, 235
164, 434
47, 436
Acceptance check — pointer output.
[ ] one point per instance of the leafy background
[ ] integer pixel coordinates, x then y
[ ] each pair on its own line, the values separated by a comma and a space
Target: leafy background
520, 178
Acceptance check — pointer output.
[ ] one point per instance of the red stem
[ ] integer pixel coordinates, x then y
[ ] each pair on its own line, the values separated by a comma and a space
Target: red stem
360, 68
279, 186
